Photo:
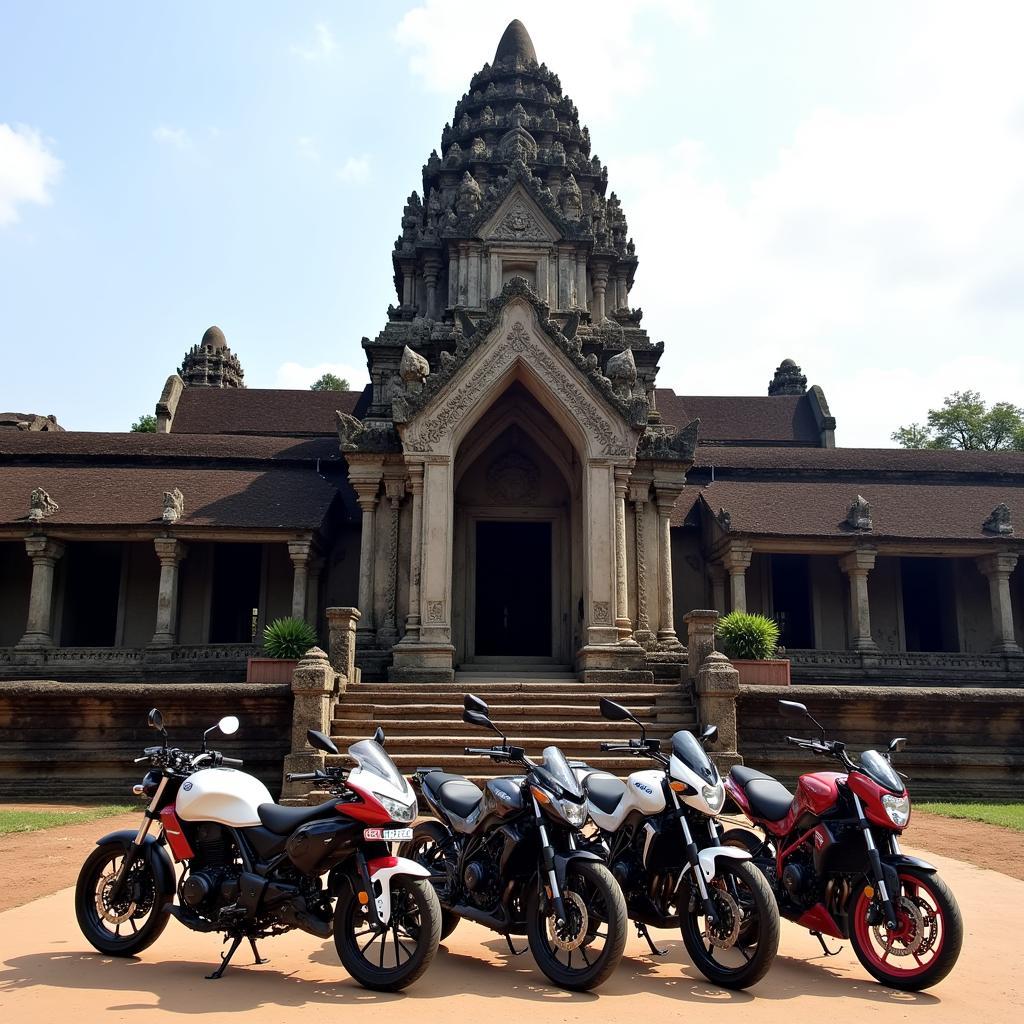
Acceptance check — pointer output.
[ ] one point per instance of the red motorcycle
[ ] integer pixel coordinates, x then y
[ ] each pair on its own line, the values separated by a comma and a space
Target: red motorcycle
831, 854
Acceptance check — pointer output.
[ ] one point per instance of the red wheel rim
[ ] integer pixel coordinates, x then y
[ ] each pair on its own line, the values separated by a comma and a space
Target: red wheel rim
915, 945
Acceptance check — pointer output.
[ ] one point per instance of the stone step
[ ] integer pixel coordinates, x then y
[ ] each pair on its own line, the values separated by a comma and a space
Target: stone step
400, 727
346, 711
477, 767
499, 698
455, 745
517, 685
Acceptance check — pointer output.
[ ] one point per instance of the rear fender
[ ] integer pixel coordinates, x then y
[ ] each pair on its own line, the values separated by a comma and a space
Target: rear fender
708, 857
152, 850
382, 870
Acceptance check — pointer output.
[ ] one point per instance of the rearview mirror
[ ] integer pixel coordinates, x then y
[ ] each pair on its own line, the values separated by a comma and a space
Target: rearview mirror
614, 712
792, 707
897, 744
228, 725
473, 703
318, 741
709, 734
378, 736
156, 720
472, 717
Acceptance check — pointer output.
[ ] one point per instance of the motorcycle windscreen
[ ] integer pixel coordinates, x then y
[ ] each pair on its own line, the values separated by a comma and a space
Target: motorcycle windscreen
370, 756
557, 766
876, 766
687, 748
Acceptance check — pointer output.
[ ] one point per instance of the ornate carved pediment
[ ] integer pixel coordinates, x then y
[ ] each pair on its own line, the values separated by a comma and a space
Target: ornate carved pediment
519, 219
668, 444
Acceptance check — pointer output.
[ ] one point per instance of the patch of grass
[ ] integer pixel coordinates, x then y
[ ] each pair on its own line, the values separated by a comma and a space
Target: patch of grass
14, 820
1008, 815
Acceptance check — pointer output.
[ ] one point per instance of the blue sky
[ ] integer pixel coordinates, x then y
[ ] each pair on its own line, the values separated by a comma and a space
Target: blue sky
841, 183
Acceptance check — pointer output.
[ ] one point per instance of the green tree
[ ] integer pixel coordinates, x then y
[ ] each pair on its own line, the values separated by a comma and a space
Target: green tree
329, 382
145, 424
965, 421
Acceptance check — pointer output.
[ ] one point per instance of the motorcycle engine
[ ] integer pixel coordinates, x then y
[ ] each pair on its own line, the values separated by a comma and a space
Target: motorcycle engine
212, 878
481, 875
799, 879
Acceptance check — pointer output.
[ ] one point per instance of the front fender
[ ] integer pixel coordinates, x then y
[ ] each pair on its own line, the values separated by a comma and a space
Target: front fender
153, 851
708, 856
382, 870
901, 860
563, 860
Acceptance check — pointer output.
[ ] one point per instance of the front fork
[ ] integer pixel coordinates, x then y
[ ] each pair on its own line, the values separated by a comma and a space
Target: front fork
694, 861
548, 856
131, 854
875, 858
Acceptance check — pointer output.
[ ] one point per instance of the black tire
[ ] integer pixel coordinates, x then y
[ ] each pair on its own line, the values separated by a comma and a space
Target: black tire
140, 911
942, 927
744, 961
426, 848
415, 919
600, 894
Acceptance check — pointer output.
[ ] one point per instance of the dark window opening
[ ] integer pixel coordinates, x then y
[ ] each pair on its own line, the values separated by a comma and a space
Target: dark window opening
929, 604
792, 605
513, 589
235, 601
92, 586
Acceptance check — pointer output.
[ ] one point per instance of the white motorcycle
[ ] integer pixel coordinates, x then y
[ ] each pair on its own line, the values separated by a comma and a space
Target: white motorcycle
251, 868
658, 834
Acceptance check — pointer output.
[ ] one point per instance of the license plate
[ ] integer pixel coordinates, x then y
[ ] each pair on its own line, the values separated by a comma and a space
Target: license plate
388, 835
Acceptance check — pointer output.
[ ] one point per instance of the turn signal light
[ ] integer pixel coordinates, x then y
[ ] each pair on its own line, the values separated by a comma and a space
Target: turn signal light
540, 795
678, 787
363, 897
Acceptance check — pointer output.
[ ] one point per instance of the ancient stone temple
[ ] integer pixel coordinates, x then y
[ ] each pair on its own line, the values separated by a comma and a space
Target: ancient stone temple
516, 491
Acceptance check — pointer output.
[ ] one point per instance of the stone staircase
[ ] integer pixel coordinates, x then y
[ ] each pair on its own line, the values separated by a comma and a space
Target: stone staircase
424, 727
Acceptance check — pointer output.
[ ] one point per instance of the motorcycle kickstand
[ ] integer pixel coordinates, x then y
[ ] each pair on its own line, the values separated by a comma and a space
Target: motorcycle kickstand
643, 933
256, 953
225, 959
512, 949
825, 948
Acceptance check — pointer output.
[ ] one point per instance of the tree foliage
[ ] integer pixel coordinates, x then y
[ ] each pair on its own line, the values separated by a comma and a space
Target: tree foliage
965, 421
145, 424
329, 382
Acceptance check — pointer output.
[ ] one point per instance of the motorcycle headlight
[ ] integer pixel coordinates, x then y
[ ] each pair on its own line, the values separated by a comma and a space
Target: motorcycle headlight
575, 814
898, 808
398, 809
714, 796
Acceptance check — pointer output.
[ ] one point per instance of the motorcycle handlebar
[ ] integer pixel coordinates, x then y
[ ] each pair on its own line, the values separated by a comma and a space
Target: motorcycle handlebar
231, 760
494, 752
302, 776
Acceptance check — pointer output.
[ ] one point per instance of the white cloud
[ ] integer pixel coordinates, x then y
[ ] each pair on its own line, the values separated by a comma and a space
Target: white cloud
177, 138
604, 61
299, 377
321, 47
308, 148
27, 170
355, 170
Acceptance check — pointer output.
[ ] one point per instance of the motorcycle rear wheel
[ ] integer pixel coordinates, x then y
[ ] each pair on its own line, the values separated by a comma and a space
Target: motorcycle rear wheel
427, 848
128, 925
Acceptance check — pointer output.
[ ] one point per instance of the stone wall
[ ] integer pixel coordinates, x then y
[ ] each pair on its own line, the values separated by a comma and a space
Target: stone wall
76, 741
960, 742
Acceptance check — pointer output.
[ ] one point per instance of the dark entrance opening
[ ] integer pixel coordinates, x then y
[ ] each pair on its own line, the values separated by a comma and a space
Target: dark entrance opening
513, 589
791, 600
236, 593
91, 589
929, 614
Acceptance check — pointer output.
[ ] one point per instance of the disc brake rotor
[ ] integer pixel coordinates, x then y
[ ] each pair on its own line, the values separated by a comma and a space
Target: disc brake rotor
727, 931
910, 937
574, 932
116, 913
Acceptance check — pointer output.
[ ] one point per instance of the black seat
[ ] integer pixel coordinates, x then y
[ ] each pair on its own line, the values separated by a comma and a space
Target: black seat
605, 792
283, 821
768, 798
453, 792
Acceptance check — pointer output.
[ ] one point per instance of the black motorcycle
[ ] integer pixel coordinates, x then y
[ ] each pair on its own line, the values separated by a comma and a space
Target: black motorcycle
509, 858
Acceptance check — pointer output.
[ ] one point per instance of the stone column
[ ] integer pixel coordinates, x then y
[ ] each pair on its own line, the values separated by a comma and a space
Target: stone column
453, 278
666, 499
857, 564
717, 573
170, 551
316, 566
700, 637
566, 276
622, 622
299, 552
44, 554
313, 694
581, 279
997, 569
412, 620
599, 279
341, 634
737, 561
474, 299
621, 291
638, 495
366, 496
718, 686
387, 634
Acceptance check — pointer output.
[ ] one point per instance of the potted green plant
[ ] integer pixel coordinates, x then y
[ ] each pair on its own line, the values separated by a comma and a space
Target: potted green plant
751, 642
284, 642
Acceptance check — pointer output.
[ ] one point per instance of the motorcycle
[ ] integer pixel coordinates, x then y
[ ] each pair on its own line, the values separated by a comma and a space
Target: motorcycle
509, 858
659, 835
251, 868
832, 856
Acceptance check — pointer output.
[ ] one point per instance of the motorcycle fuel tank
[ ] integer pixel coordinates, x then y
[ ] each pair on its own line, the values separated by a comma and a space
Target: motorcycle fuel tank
223, 795
817, 792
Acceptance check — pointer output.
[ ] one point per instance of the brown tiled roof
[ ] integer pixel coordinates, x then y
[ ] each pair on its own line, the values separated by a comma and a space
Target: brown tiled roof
907, 510
131, 496
750, 419
261, 411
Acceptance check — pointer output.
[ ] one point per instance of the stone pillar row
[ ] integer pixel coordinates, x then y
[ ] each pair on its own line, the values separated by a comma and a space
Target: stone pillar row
997, 569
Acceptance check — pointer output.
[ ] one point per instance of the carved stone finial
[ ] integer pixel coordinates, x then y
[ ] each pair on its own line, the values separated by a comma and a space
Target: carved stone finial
350, 431
724, 519
41, 505
470, 197
859, 515
414, 370
999, 521
174, 506
788, 380
621, 371
570, 199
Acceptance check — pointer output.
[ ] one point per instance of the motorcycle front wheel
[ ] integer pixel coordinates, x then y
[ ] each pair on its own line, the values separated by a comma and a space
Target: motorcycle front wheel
737, 950
583, 952
391, 957
124, 926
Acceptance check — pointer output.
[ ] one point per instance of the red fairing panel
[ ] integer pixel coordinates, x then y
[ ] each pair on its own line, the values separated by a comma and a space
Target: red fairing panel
370, 812
818, 919
180, 847
818, 792
871, 794
738, 796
